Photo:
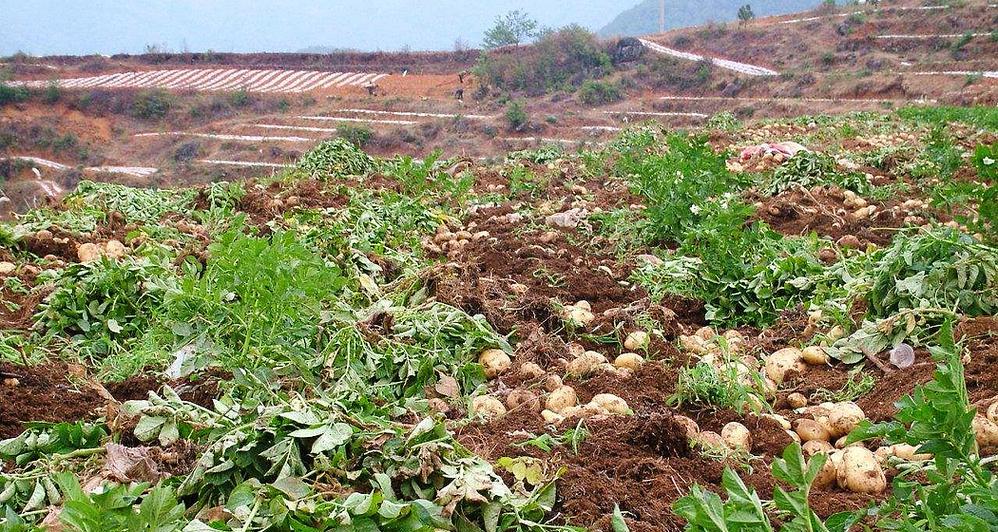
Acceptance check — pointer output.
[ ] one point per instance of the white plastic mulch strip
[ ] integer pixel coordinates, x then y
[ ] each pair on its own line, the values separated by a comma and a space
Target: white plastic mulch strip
247, 164
744, 68
218, 136
253, 80
790, 100
541, 139
137, 171
932, 36
361, 120
982, 73
600, 128
654, 113
838, 15
409, 113
295, 128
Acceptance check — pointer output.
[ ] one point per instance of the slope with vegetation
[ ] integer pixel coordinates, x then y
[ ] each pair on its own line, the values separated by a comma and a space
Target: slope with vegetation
667, 332
643, 19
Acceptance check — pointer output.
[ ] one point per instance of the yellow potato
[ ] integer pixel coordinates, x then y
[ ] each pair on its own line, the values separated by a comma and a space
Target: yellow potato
844, 417
637, 341
560, 399
523, 400
815, 355
495, 361
612, 403
531, 370
810, 430
737, 436
814, 447
859, 471
783, 361
631, 361
691, 427
797, 400
487, 407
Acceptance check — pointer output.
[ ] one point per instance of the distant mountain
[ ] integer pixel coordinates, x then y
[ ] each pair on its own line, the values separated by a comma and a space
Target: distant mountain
642, 19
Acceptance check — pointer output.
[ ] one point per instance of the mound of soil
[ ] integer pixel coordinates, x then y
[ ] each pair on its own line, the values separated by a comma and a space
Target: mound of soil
42, 393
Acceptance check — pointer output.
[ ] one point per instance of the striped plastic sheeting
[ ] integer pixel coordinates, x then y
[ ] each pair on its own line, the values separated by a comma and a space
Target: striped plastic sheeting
224, 79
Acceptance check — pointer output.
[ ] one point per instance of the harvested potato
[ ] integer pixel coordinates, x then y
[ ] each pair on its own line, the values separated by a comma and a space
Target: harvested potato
439, 405
636, 341
784, 422
797, 400
631, 361
114, 249
593, 409
814, 447
844, 417
691, 427
737, 436
859, 471
612, 403
585, 364
551, 417
693, 344
552, 383
710, 439
810, 430
561, 399
706, 333
495, 361
986, 431
487, 407
88, 252
523, 400
531, 370
815, 355
783, 361
841, 443
993, 412
903, 451
829, 472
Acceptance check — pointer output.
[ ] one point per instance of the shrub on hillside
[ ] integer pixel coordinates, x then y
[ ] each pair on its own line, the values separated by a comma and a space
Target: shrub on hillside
152, 105
358, 135
599, 92
562, 59
334, 158
10, 94
516, 115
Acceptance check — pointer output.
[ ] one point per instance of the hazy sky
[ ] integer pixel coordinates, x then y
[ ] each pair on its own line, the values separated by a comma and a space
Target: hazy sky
46, 27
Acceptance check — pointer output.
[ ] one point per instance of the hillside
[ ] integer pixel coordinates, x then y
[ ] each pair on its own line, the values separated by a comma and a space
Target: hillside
642, 19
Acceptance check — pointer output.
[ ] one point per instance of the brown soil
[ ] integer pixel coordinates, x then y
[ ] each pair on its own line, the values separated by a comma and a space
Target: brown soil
199, 389
43, 393
798, 213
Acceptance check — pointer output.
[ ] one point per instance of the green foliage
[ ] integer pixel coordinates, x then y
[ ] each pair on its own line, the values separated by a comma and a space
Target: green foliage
744, 510
559, 60
335, 158
745, 13
954, 491
984, 117
594, 92
358, 135
138, 205
47, 439
940, 269
809, 169
705, 385
152, 104
510, 30
120, 508
105, 304
516, 115
10, 94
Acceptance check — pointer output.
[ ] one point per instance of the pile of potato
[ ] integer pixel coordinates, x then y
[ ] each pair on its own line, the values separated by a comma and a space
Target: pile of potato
91, 252
452, 242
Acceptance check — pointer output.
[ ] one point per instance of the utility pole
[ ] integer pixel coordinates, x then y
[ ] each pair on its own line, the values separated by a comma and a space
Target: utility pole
661, 16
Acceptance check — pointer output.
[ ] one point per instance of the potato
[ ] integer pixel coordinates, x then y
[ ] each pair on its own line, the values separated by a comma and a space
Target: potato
592, 409
572, 411
993, 412
561, 399
829, 472
986, 431
737, 436
815, 355
843, 418
636, 341
552, 383
859, 471
782, 361
903, 451
439, 405
706, 333
580, 317
495, 361
810, 430
710, 439
631, 361
585, 364
487, 407
551, 417
531, 370
784, 422
523, 400
691, 427
693, 344
841, 443
797, 400
114, 249
733, 337
814, 447
88, 252
612, 403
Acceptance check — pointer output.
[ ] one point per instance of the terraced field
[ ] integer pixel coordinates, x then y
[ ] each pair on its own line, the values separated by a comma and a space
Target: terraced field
265, 81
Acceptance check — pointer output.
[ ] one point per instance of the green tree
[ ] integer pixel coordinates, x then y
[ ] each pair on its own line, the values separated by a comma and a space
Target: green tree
745, 14
510, 29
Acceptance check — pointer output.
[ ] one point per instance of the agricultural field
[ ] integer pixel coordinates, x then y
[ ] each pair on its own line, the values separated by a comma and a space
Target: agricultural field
784, 324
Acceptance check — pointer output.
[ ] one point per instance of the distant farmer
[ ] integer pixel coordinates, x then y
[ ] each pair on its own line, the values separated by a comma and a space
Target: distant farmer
371, 87
459, 94
461, 75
